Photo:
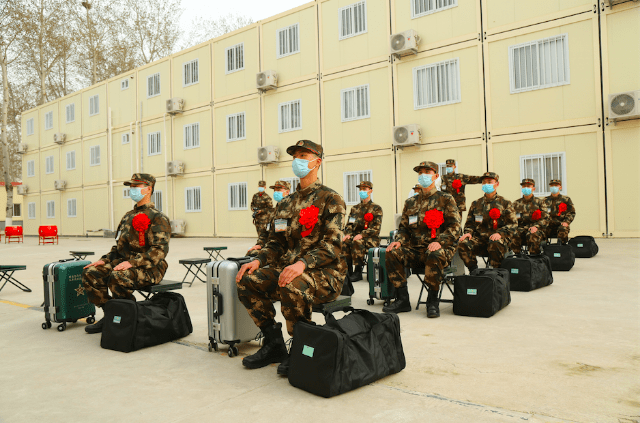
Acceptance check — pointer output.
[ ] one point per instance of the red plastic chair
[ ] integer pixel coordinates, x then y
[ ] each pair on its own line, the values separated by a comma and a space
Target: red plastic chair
48, 235
13, 234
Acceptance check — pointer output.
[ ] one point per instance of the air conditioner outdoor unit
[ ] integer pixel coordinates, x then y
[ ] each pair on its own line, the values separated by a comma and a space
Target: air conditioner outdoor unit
22, 148
175, 167
178, 226
404, 43
175, 105
268, 154
623, 106
267, 80
60, 185
59, 138
23, 189
404, 136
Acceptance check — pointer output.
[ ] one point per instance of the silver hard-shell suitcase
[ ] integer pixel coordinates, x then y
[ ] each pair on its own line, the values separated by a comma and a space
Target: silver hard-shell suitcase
228, 320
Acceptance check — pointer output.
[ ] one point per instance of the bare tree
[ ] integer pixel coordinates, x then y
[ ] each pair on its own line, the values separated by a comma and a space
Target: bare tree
203, 29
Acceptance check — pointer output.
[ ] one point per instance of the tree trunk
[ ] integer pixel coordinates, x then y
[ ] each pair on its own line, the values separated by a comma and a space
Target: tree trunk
5, 144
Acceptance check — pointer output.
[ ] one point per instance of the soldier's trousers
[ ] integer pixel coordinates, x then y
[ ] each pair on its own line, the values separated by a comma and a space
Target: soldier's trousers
99, 280
469, 249
434, 262
357, 250
556, 230
258, 292
524, 236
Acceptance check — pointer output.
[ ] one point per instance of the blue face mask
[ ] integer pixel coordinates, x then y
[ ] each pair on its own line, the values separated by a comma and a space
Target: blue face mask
277, 196
425, 180
449, 170
555, 190
136, 195
363, 194
261, 189
526, 191
488, 188
301, 167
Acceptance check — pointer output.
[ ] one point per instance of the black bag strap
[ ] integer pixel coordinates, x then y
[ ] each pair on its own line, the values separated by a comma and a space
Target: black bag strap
333, 322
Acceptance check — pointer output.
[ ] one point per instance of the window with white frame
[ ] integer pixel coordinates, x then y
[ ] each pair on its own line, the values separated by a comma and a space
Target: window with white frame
125, 193
542, 168
234, 58
94, 152
71, 207
352, 20
192, 135
156, 198
48, 121
436, 84
236, 127
539, 64
31, 210
51, 209
351, 179
190, 73
70, 112
427, 7
30, 126
31, 168
48, 165
126, 138
71, 160
238, 196
290, 116
293, 182
17, 210
442, 169
355, 103
288, 40
94, 105
153, 85
192, 199
153, 144
124, 84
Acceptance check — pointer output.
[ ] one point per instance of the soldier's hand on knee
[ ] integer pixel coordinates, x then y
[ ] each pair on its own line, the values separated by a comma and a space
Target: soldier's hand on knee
565, 224
290, 273
465, 236
393, 246
346, 237
249, 268
96, 263
255, 247
357, 237
434, 246
123, 266
533, 229
495, 237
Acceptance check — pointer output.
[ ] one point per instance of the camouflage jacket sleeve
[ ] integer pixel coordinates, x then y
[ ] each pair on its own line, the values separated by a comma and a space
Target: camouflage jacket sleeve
509, 220
264, 234
448, 238
471, 180
404, 233
470, 225
351, 221
113, 255
329, 248
373, 231
158, 236
570, 214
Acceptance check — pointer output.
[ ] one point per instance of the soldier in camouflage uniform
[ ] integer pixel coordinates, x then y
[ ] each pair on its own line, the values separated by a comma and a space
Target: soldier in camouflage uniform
362, 231
490, 227
304, 252
427, 236
561, 212
262, 208
452, 179
532, 219
138, 258
281, 189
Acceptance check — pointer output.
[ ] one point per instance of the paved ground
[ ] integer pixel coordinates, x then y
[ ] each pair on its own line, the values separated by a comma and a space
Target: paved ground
567, 352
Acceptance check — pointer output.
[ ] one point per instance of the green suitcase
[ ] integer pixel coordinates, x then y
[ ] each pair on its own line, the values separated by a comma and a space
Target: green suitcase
65, 300
379, 286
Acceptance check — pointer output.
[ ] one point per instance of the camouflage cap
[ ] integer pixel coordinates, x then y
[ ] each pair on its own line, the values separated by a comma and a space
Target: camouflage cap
141, 178
555, 182
365, 184
451, 162
491, 175
426, 165
528, 181
262, 184
281, 185
306, 145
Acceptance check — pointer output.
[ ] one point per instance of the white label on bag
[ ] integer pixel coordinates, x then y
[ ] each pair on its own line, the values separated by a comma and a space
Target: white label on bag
472, 291
281, 225
307, 350
515, 271
413, 219
352, 219
479, 218
557, 255
116, 319
580, 245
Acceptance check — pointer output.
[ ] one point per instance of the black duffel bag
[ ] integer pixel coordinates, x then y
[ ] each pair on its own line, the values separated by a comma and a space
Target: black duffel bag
129, 325
584, 246
345, 354
482, 293
561, 256
528, 272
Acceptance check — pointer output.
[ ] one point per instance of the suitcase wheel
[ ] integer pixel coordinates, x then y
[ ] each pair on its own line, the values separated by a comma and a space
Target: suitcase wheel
233, 351
370, 301
46, 325
62, 327
91, 320
213, 346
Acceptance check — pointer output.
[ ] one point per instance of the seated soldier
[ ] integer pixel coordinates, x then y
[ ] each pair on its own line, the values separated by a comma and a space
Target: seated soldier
362, 231
561, 212
490, 226
532, 219
455, 183
304, 253
427, 236
280, 190
138, 258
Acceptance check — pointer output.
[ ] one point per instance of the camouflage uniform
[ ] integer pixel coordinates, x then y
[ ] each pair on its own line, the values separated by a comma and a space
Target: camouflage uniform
415, 237
148, 261
263, 206
556, 218
320, 251
524, 209
458, 193
480, 225
356, 225
264, 234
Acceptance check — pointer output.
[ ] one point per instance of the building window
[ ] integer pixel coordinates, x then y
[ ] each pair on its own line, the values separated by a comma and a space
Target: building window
124, 84
190, 73
436, 84
542, 168
294, 182
17, 210
238, 196
236, 127
30, 126
191, 136
31, 210
290, 116
539, 64
351, 179
48, 165
31, 168
71, 160
156, 198
71, 112
192, 199
51, 209
288, 40
355, 103
125, 193
94, 105
48, 121
153, 85
71, 207
95, 155
353, 20
234, 58
427, 7
153, 144
125, 138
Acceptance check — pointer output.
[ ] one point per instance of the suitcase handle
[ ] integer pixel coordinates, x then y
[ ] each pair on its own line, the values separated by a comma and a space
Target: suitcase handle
219, 311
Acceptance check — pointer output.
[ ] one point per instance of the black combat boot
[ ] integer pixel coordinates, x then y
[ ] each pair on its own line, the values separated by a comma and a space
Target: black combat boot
401, 304
273, 349
433, 304
94, 328
283, 368
357, 274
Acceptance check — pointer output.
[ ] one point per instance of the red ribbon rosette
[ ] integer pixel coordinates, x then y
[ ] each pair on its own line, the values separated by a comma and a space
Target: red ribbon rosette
495, 215
433, 219
141, 223
457, 184
562, 208
368, 217
308, 219
536, 215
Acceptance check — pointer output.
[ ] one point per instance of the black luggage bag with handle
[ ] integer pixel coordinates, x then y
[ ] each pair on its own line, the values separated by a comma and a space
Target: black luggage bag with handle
528, 272
482, 293
561, 256
584, 246
345, 354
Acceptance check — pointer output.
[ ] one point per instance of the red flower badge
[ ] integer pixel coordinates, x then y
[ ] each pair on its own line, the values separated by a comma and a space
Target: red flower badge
141, 223
562, 208
457, 184
433, 219
536, 215
368, 218
495, 215
308, 219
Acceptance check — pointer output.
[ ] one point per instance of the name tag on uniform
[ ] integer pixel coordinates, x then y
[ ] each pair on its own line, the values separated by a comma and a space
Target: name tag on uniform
413, 219
352, 219
281, 225
518, 215
478, 218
